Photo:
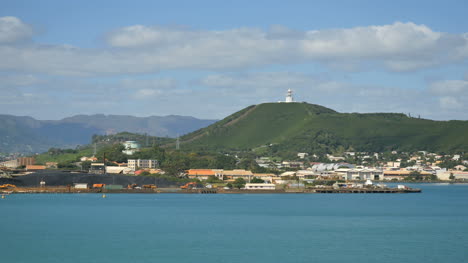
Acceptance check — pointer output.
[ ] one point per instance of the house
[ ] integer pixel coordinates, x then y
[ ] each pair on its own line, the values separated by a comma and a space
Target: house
204, 174
238, 173
460, 167
460, 175
291, 164
394, 164
88, 159
265, 177
335, 158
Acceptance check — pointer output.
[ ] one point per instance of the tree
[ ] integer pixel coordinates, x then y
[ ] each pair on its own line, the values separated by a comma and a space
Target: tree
257, 180
415, 175
213, 179
451, 177
239, 183
226, 162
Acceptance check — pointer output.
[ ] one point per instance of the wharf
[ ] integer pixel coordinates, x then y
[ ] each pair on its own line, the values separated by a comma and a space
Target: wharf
305, 191
38, 190
365, 191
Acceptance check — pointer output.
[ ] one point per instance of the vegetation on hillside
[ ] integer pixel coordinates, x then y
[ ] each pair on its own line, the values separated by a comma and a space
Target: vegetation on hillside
285, 129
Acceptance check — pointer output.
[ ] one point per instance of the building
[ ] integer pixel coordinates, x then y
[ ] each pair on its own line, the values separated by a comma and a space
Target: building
142, 163
24, 161
97, 168
250, 186
118, 170
268, 178
320, 167
12, 164
80, 186
88, 159
289, 97
238, 173
35, 167
52, 165
400, 174
131, 147
364, 174
204, 174
291, 164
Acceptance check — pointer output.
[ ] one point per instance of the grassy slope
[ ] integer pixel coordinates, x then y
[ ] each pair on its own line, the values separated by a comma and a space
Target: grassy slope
66, 157
301, 126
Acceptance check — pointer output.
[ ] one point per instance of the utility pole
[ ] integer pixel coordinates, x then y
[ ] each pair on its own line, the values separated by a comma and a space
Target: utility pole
104, 163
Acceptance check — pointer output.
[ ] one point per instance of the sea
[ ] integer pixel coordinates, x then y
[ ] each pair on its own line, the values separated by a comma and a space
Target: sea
431, 226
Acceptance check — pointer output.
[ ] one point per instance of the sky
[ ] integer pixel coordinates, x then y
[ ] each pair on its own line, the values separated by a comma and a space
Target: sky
209, 59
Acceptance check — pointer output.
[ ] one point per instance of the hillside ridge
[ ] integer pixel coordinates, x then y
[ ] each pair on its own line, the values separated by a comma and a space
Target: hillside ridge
304, 127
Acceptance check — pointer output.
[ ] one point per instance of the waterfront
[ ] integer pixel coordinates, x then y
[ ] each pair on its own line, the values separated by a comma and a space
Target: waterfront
427, 227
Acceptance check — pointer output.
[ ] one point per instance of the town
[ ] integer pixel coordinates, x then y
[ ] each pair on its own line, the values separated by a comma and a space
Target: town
347, 170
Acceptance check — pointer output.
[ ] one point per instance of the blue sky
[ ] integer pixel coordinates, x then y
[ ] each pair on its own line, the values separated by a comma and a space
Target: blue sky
209, 59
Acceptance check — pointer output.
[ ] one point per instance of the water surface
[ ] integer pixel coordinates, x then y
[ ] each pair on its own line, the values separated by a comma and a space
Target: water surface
427, 227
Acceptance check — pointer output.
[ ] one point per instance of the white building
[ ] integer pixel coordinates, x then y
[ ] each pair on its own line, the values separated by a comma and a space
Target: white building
289, 97
10, 164
250, 186
138, 163
131, 147
119, 170
364, 174
81, 186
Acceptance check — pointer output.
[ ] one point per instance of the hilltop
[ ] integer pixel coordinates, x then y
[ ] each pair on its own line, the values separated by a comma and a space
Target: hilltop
303, 127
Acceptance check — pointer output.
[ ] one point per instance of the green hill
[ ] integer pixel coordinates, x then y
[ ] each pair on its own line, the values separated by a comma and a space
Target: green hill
303, 127
28, 135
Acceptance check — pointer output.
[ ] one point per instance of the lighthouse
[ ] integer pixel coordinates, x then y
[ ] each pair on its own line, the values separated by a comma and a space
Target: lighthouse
289, 97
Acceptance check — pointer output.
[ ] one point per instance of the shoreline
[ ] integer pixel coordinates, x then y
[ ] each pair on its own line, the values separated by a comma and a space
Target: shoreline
326, 190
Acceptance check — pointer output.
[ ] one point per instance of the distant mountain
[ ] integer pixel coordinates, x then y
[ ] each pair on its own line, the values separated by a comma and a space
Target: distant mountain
301, 127
28, 135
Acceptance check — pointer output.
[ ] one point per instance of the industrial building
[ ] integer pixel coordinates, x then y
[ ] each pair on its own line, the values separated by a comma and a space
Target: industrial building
139, 163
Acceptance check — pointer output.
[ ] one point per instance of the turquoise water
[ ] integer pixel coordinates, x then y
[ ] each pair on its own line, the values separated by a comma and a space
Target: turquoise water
427, 227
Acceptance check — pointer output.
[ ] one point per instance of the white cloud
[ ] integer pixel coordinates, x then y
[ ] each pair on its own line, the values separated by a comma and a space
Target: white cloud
449, 103
340, 95
450, 87
13, 29
149, 49
148, 88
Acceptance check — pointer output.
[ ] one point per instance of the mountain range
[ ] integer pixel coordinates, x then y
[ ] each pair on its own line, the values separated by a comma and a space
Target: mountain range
266, 129
27, 135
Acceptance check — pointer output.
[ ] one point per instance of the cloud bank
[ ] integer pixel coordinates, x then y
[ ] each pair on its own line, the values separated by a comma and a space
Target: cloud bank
229, 69
148, 49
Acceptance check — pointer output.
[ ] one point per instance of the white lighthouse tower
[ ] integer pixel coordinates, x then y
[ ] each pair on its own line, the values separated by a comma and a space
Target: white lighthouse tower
289, 97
